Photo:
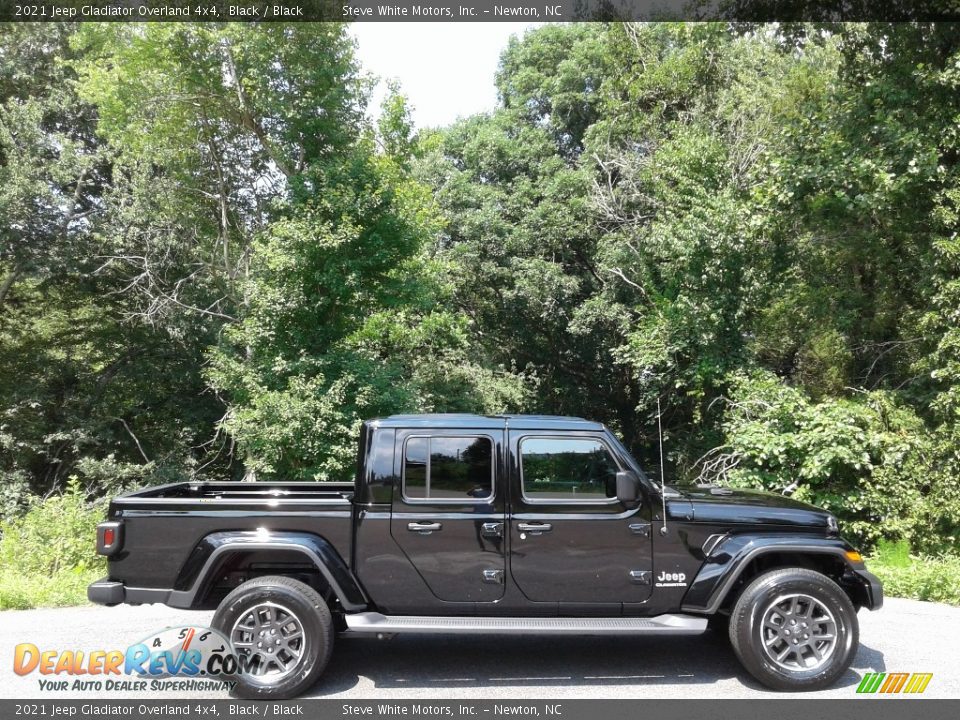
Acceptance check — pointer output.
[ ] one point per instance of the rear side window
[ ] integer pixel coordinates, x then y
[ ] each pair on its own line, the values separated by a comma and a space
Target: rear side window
448, 468
571, 469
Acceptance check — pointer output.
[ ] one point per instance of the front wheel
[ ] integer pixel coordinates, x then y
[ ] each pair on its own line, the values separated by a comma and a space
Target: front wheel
794, 629
283, 632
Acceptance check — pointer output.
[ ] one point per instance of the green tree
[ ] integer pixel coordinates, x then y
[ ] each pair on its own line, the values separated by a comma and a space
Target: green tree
212, 262
345, 321
85, 388
518, 245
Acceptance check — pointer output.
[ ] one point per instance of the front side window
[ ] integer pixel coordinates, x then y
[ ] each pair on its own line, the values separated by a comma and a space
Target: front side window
448, 468
567, 469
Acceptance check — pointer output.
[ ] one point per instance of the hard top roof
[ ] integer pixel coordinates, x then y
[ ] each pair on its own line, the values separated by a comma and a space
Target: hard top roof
467, 420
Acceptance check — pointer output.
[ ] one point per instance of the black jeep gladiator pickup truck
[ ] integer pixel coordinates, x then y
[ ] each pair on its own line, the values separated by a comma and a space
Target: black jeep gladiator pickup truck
502, 524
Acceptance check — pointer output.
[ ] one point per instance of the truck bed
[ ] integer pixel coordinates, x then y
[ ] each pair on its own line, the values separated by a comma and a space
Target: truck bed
164, 524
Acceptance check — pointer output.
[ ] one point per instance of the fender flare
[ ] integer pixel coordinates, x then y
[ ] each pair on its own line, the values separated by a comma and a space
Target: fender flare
728, 559
199, 570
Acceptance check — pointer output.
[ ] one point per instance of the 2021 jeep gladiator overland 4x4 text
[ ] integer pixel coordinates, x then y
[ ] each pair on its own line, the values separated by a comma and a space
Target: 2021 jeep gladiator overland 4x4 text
502, 524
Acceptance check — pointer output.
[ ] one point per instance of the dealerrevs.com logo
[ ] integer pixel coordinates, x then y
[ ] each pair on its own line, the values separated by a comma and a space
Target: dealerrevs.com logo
178, 659
893, 683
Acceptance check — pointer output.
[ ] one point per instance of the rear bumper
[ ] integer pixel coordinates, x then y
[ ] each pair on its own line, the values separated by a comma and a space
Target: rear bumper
106, 592
112, 592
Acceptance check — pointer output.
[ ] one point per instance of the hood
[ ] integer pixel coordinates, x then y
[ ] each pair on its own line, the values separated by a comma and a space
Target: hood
724, 506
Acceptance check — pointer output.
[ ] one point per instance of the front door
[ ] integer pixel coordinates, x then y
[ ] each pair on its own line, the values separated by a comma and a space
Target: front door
572, 541
448, 517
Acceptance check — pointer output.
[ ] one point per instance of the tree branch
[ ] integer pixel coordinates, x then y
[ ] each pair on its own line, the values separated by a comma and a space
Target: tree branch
247, 117
135, 440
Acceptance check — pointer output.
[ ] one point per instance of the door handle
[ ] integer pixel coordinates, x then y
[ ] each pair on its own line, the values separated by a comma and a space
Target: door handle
492, 530
424, 527
534, 528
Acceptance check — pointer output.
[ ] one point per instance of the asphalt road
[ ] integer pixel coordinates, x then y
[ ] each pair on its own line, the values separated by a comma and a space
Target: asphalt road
906, 636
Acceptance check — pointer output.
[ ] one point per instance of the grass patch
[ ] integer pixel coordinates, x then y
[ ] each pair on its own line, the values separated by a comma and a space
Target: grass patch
47, 556
936, 579
20, 591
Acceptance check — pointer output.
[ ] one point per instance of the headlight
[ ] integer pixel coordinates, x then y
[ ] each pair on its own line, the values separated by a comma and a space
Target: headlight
832, 527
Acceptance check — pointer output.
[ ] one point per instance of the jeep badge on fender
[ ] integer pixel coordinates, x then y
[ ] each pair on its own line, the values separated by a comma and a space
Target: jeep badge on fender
666, 579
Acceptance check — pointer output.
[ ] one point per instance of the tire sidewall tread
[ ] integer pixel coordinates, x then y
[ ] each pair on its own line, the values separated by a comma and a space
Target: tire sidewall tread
318, 630
745, 633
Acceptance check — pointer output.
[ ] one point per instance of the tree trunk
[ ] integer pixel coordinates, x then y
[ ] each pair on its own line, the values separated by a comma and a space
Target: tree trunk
8, 282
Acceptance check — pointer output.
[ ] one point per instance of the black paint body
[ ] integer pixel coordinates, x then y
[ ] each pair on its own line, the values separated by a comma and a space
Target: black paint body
188, 544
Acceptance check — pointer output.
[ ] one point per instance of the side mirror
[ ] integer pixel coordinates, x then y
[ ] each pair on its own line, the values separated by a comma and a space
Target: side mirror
628, 487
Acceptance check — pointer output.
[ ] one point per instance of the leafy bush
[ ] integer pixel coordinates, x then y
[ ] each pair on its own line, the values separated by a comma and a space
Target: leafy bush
47, 555
14, 493
923, 578
893, 554
866, 458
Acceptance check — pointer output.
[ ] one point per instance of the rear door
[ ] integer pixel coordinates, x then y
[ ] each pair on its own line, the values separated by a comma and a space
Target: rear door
448, 517
572, 541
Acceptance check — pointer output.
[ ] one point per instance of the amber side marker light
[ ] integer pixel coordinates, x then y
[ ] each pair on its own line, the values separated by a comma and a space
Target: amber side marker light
853, 556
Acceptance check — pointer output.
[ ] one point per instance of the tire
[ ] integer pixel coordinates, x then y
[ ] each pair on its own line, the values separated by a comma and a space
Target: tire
777, 624
292, 620
719, 624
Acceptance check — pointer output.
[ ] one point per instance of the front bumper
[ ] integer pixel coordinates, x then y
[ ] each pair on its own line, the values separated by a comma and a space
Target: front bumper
872, 588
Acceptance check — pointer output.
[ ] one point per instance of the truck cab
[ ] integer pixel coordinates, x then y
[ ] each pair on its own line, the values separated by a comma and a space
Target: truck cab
513, 512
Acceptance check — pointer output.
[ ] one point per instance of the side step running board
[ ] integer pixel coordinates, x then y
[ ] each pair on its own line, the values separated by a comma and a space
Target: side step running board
372, 622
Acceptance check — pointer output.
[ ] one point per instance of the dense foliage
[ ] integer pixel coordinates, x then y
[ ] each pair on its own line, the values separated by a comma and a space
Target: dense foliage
212, 263
45, 556
757, 226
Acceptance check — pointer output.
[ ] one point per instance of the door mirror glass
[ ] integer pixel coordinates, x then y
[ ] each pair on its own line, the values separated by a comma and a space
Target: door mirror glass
628, 487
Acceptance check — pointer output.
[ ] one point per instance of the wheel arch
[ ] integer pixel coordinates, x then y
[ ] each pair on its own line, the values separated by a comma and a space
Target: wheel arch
736, 560
237, 556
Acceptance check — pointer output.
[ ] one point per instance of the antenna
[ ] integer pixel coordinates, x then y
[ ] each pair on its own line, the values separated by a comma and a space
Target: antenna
663, 479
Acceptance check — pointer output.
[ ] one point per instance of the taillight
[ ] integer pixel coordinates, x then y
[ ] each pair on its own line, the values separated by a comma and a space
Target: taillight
109, 538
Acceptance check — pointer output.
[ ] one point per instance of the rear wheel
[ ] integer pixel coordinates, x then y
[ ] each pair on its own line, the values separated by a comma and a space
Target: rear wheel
283, 632
794, 629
